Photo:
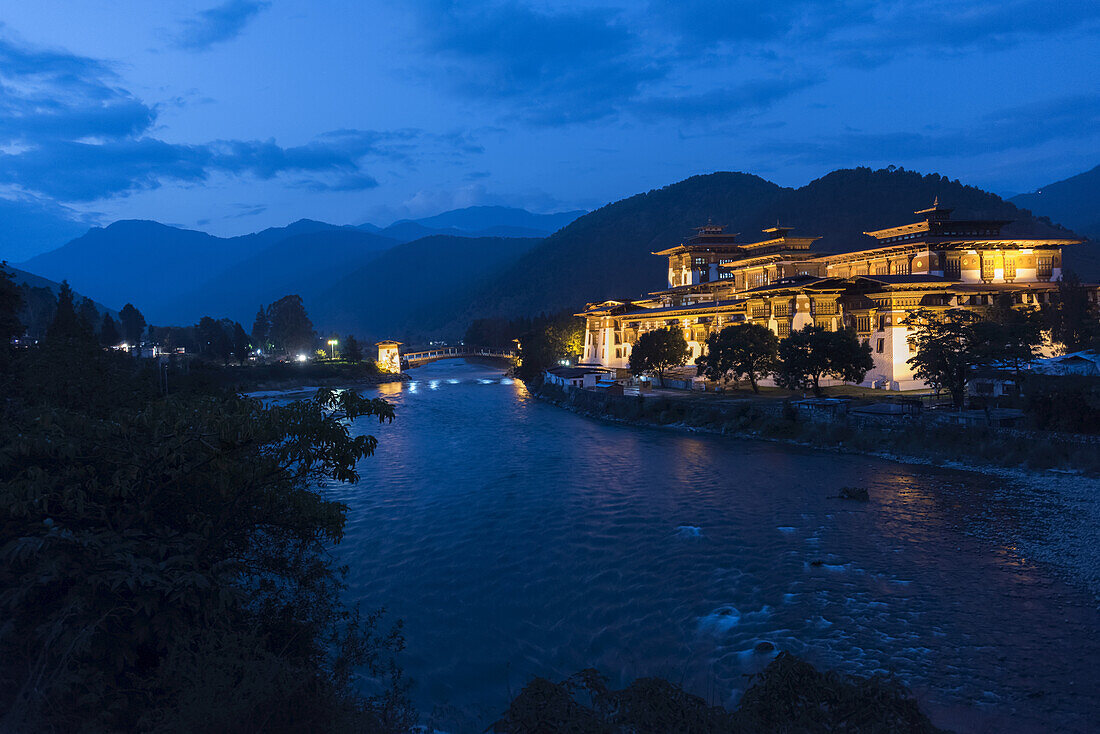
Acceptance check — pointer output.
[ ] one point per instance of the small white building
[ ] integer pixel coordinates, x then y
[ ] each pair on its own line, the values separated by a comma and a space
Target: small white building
389, 355
575, 376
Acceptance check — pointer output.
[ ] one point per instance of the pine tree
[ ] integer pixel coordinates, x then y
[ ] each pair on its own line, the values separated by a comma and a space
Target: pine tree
108, 332
67, 326
88, 313
261, 329
133, 324
353, 351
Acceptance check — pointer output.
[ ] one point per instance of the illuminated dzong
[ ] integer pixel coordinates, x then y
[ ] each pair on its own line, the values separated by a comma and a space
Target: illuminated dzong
715, 281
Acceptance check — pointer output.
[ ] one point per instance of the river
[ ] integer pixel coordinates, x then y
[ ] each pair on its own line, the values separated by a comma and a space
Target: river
517, 539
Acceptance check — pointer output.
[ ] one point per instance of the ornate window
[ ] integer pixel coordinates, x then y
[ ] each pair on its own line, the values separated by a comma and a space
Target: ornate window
988, 263
952, 267
1044, 267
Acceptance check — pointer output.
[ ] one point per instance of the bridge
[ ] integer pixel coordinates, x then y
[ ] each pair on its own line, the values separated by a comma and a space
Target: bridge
416, 359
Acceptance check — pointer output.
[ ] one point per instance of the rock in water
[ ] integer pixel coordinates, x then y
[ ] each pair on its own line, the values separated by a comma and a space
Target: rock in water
859, 494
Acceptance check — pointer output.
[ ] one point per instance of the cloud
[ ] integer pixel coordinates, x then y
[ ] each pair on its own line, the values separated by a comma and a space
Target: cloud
552, 67
1012, 128
112, 168
70, 131
54, 95
555, 64
864, 33
218, 24
757, 94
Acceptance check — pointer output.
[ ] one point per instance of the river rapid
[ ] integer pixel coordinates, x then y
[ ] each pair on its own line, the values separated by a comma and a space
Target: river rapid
517, 539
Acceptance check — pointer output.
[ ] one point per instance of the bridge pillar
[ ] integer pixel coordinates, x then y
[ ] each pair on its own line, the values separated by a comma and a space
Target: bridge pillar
389, 356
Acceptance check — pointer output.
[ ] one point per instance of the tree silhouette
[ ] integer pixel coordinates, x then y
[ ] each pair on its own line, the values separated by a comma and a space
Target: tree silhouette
108, 332
291, 329
88, 312
133, 324
241, 343
11, 301
1072, 321
814, 352
747, 351
67, 326
947, 346
261, 329
353, 351
658, 351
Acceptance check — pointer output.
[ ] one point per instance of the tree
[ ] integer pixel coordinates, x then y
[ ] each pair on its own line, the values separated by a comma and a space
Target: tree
947, 346
240, 343
353, 351
291, 329
551, 340
216, 338
849, 359
11, 302
658, 351
261, 330
814, 352
165, 562
1008, 335
747, 351
108, 332
67, 326
133, 324
88, 313
1072, 321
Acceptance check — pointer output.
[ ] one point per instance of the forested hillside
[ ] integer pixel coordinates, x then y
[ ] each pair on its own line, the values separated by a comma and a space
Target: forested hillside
405, 292
606, 253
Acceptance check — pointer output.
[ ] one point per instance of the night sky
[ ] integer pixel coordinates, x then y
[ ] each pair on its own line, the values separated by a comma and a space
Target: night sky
247, 114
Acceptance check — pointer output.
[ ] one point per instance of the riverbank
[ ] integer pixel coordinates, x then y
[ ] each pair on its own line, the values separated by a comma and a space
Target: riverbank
908, 439
293, 376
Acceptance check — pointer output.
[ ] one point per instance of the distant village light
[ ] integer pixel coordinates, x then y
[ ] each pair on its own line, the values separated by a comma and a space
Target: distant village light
302, 358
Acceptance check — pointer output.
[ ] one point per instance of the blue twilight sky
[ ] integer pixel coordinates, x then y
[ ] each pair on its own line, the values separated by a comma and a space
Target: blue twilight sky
235, 116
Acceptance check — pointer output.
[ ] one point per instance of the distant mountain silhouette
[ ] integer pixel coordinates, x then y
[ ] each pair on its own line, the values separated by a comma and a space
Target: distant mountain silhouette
606, 253
306, 264
22, 277
1074, 203
478, 221
153, 265
479, 218
397, 294
177, 275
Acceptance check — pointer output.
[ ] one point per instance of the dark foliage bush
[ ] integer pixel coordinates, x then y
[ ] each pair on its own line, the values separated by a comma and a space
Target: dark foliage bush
790, 696
164, 560
1067, 403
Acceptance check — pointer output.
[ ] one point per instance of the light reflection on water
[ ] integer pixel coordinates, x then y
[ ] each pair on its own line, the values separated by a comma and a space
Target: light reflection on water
516, 539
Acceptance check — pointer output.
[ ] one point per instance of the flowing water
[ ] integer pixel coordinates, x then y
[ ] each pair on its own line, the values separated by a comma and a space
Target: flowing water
517, 539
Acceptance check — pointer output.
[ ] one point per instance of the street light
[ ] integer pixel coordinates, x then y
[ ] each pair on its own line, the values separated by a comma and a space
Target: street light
332, 348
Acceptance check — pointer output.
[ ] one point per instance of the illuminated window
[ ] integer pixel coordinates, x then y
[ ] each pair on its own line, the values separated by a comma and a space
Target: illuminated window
987, 267
881, 346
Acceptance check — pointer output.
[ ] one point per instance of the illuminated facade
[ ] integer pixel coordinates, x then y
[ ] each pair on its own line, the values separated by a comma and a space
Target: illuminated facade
715, 280
389, 356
